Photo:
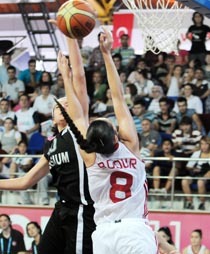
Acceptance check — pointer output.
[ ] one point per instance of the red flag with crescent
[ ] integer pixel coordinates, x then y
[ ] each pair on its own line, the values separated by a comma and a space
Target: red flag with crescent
122, 24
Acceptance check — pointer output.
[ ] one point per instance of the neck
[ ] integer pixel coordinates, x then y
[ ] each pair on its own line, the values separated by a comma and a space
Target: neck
7, 232
61, 127
167, 154
44, 96
24, 109
196, 249
37, 239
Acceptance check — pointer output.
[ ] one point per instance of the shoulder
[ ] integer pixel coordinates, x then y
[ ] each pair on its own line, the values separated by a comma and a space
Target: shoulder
172, 114
39, 73
16, 233
24, 72
177, 132
154, 133
191, 111
196, 154
196, 133
159, 153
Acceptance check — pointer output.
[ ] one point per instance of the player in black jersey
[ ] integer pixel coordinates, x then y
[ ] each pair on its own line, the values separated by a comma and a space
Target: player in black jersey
71, 224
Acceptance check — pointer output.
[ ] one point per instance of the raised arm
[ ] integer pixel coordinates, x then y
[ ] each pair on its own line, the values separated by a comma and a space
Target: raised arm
75, 109
79, 81
127, 130
78, 73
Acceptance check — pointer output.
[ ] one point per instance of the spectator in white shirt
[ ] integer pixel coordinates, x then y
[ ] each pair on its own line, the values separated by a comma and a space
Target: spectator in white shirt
14, 87
45, 102
5, 111
157, 93
193, 101
6, 59
26, 118
9, 137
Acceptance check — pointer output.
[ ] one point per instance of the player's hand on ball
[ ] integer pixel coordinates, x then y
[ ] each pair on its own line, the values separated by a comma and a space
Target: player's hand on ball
53, 21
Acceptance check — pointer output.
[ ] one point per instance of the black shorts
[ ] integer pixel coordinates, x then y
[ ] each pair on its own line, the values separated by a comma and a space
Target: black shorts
68, 230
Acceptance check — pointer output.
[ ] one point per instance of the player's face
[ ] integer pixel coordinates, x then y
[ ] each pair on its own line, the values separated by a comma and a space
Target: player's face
195, 239
4, 223
57, 115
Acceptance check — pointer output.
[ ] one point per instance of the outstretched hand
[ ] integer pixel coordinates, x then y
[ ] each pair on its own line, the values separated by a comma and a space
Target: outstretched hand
63, 65
53, 21
105, 40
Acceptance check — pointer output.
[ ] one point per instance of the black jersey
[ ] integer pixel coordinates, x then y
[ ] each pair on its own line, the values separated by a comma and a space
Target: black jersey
67, 168
12, 245
199, 38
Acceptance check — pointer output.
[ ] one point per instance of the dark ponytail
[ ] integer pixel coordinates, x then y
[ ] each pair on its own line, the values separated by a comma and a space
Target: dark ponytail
100, 135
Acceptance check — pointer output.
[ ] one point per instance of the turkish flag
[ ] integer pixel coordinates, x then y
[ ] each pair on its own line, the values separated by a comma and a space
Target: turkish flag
122, 24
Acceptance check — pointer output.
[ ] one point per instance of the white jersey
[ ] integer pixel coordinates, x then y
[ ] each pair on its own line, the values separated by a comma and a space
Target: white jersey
201, 251
118, 186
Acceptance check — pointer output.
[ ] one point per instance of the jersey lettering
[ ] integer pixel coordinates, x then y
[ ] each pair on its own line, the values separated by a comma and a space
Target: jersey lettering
121, 183
53, 147
119, 164
58, 159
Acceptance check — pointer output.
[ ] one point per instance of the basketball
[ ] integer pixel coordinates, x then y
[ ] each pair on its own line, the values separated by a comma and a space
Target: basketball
76, 18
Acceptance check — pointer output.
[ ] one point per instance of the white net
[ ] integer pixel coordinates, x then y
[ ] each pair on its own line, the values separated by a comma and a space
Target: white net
160, 29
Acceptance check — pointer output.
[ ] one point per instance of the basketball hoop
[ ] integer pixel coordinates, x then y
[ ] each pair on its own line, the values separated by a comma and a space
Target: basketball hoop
160, 26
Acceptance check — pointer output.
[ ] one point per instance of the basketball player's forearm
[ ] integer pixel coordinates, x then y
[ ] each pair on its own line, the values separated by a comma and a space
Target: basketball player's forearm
79, 80
12, 184
112, 76
75, 58
73, 102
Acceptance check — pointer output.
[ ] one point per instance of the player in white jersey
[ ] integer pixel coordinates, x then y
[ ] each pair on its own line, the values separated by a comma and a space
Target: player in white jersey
116, 174
196, 244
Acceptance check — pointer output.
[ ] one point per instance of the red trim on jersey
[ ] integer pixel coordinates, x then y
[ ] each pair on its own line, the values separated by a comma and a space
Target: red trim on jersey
146, 195
116, 146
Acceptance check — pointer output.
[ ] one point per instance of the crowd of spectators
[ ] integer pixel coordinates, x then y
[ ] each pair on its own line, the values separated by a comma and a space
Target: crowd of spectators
168, 98
12, 240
